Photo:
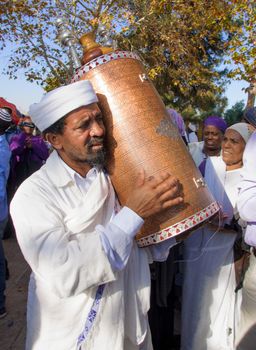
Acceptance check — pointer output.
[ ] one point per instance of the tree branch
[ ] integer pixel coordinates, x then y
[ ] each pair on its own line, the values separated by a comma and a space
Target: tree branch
85, 7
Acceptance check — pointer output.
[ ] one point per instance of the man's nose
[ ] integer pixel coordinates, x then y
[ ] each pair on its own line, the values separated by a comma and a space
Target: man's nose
97, 129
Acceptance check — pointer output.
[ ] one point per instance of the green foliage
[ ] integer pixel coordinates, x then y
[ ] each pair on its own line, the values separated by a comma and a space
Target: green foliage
184, 42
28, 28
235, 113
181, 42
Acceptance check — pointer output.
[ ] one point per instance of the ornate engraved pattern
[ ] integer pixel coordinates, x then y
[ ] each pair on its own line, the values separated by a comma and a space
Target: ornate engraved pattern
180, 227
101, 60
165, 129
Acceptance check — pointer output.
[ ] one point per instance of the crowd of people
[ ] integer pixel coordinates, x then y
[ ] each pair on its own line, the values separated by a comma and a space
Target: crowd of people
22, 152
91, 287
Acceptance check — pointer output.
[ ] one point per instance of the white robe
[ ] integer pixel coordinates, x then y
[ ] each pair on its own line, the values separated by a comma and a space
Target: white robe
246, 204
196, 151
209, 303
55, 228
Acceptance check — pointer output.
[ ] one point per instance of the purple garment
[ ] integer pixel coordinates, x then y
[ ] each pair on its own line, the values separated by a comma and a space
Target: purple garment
178, 121
5, 155
26, 160
216, 121
202, 166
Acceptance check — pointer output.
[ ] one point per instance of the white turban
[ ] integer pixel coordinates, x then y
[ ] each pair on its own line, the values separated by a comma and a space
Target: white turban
57, 103
244, 129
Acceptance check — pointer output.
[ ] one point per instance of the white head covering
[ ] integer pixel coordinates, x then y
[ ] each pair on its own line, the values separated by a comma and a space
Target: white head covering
57, 103
5, 114
192, 127
244, 129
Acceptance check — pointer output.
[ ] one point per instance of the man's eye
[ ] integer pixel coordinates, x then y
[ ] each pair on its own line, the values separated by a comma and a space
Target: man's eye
85, 125
99, 119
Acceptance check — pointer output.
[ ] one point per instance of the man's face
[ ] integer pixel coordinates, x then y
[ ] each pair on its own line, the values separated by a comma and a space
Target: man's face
81, 144
212, 138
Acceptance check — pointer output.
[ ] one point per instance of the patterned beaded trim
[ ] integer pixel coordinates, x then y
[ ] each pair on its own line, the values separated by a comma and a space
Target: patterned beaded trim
180, 227
91, 317
101, 60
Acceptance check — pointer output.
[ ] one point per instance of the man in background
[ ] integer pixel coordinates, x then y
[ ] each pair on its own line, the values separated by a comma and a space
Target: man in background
214, 128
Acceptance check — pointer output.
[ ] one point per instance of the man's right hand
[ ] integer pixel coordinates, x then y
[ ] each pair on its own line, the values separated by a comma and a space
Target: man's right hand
153, 194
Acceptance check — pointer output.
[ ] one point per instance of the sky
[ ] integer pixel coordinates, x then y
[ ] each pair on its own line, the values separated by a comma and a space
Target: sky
23, 94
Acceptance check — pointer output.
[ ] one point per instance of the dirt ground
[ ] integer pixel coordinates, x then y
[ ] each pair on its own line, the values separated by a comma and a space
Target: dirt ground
13, 326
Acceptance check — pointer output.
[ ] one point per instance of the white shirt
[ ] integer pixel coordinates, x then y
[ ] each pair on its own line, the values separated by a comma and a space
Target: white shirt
112, 242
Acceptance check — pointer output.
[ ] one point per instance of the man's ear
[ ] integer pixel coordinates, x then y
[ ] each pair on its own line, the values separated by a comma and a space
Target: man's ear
54, 140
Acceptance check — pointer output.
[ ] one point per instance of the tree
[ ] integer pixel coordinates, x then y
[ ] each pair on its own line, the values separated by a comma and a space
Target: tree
31, 27
181, 42
235, 113
183, 51
242, 47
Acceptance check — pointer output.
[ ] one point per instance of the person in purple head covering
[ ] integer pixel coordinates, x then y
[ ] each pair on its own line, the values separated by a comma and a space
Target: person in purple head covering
214, 128
29, 153
213, 131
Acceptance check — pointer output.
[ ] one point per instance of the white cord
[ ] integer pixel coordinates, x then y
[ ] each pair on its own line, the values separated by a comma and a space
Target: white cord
204, 247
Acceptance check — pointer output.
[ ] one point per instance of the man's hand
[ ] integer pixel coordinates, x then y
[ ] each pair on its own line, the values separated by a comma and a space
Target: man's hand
153, 194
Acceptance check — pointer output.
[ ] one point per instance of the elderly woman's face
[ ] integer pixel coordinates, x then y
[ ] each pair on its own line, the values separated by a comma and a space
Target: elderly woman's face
233, 146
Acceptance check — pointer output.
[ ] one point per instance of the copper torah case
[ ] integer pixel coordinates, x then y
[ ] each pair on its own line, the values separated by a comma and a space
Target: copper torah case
141, 134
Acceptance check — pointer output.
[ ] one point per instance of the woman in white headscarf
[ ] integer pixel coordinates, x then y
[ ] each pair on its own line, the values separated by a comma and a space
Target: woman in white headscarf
209, 301
246, 204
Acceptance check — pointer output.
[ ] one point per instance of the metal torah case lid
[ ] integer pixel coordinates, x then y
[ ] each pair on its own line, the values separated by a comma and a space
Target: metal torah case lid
67, 38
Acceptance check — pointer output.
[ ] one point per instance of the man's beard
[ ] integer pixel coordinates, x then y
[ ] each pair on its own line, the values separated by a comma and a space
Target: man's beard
96, 159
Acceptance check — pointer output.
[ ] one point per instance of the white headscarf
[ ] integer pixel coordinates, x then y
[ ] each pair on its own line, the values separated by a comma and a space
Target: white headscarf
57, 103
244, 129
